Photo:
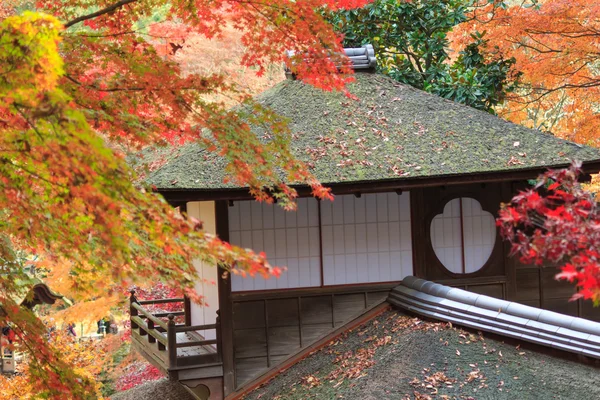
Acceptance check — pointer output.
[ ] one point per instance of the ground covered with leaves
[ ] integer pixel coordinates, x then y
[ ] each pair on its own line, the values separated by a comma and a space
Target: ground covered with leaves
160, 389
396, 356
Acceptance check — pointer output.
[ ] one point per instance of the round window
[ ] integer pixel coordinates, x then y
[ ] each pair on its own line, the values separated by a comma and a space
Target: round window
463, 236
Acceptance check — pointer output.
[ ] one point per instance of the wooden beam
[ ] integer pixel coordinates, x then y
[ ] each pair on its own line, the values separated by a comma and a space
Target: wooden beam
196, 343
192, 328
179, 196
225, 304
313, 291
172, 346
148, 315
161, 301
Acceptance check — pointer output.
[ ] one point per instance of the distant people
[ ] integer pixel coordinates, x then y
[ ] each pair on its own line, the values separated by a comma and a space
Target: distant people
71, 329
9, 333
101, 327
114, 329
7, 338
107, 325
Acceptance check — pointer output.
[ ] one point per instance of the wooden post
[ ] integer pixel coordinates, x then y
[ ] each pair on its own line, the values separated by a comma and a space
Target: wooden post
218, 334
172, 344
187, 308
132, 311
225, 304
151, 339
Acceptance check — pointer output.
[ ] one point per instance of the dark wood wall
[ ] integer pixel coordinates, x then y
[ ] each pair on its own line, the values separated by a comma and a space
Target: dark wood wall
269, 326
502, 276
494, 278
537, 287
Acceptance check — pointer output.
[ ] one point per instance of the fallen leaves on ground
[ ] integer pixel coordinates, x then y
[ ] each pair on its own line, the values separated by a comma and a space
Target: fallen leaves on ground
353, 365
311, 381
433, 382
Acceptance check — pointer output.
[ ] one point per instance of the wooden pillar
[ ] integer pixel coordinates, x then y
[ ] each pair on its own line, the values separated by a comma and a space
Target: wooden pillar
225, 304
172, 347
132, 311
187, 309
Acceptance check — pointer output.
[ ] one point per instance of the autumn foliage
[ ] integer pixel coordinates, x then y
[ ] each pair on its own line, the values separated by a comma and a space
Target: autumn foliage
83, 84
557, 221
555, 45
85, 358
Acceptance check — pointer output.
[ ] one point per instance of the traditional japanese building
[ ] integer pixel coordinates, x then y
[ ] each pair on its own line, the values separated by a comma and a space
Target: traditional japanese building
37, 293
418, 181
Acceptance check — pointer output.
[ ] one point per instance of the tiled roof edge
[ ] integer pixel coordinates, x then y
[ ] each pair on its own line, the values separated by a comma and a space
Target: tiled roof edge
362, 58
485, 313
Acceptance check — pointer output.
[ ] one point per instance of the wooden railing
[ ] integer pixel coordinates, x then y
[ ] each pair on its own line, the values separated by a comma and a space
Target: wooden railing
165, 334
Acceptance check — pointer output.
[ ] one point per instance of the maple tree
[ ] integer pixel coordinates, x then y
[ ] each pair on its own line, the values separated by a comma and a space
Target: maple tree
84, 358
557, 220
411, 43
555, 45
80, 83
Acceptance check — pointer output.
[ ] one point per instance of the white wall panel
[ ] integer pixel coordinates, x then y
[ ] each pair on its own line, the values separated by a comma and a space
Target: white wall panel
348, 205
360, 209
207, 273
364, 239
372, 267
351, 270
289, 239
371, 207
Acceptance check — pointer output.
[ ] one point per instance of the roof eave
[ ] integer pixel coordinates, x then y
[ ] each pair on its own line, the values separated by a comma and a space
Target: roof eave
182, 195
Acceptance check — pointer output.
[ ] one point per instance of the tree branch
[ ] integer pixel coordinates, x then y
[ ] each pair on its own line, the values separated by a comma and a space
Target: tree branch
98, 13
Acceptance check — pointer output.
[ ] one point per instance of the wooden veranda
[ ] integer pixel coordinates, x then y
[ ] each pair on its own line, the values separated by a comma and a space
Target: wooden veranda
169, 341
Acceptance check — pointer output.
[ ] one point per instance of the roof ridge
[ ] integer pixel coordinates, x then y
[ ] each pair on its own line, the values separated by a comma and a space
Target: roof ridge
361, 59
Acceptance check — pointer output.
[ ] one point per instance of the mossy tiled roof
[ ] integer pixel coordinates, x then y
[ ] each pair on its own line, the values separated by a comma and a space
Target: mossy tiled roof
392, 131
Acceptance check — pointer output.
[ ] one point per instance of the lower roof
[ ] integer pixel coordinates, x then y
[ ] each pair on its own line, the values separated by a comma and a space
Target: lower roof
396, 356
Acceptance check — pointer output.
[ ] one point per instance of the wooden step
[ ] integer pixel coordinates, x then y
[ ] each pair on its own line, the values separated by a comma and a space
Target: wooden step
198, 372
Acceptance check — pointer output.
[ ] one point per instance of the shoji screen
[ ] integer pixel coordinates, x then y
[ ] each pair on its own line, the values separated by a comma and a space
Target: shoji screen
288, 238
463, 247
366, 239
446, 237
479, 232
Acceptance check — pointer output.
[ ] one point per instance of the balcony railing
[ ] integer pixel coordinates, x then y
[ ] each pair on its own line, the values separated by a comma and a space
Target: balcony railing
178, 349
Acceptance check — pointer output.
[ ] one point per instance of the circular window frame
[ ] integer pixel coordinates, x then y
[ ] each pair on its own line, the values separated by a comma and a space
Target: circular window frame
439, 211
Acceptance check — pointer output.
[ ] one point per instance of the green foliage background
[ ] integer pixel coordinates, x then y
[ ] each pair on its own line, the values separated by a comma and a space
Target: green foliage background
411, 44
